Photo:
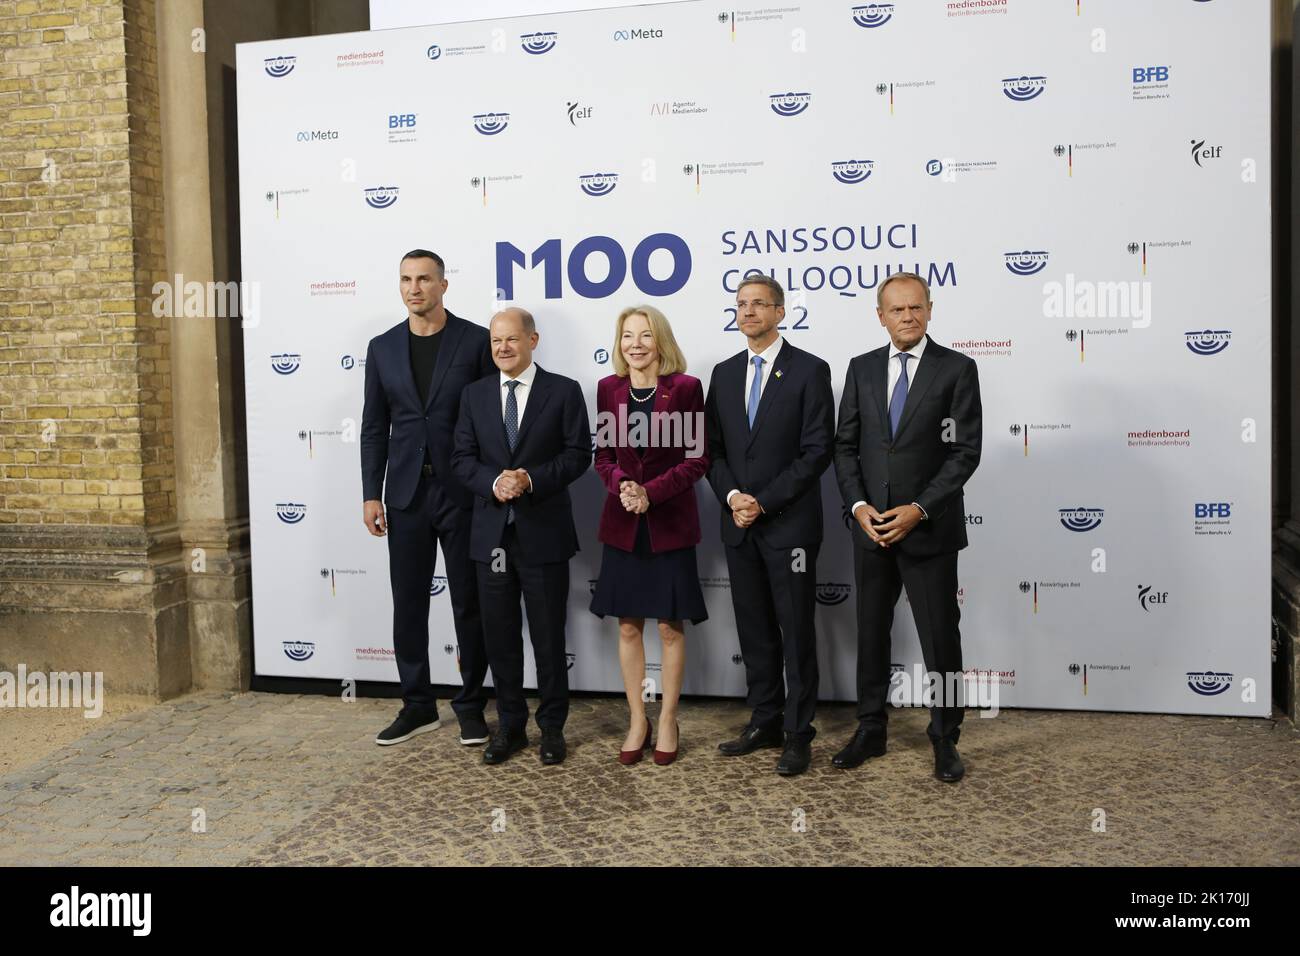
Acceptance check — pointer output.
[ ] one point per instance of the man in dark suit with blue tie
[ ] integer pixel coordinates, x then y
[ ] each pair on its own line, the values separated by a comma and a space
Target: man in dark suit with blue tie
770, 420
521, 439
908, 440
414, 376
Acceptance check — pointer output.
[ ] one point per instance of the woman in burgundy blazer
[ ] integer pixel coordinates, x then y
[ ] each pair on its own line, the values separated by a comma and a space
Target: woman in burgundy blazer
650, 451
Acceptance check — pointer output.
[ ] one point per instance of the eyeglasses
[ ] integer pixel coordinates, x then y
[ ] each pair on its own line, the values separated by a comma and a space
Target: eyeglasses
897, 311
742, 305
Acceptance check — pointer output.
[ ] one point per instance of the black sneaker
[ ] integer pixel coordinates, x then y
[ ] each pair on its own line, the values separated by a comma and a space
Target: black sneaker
503, 744
473, 730
410, 722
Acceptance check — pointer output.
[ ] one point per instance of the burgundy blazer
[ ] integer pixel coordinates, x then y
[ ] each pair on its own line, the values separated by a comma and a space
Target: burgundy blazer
667, 475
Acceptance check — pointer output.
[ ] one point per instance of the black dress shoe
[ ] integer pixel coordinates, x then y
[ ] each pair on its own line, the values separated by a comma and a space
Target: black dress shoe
796, 757
947, 762
751, 738
503, 744
868, 741
553, 749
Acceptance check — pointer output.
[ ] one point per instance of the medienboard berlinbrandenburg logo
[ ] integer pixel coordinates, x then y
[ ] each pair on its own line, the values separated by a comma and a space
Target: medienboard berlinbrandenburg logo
286, 363
1022, 88
851, 171
1081, 519
289, 512
537, 43
489, 124
298, 650
789, 104
1025, 263
872, 15
598, 184
1208, 683
278, 66
381, 197
1209, 342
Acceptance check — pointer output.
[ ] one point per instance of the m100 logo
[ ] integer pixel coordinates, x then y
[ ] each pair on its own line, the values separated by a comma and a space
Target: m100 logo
550, 256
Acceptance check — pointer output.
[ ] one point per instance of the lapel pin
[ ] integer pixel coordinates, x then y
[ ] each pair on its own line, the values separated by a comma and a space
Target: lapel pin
778, 373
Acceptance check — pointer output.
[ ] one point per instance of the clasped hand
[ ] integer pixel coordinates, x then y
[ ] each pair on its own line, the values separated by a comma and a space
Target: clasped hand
633, 497
511, 484
889, 527
744, 510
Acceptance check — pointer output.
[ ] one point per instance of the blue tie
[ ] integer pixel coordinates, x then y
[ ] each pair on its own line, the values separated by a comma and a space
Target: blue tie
899, 398
512, 432
755, 390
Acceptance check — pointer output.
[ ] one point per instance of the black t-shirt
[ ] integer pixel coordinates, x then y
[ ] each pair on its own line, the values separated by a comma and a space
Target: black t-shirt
424, 356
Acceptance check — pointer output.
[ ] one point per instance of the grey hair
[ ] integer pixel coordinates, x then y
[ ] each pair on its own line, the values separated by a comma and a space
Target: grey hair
880, 290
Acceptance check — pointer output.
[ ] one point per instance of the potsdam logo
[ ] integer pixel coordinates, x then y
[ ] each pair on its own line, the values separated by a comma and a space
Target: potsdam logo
789, 104
433, 52
381, 197
280, 65
538, 43
851, 171
1021, 88
1025, 263
290, 513
298, 650
832, 594
437, 585
598, 184
871, 15
286, 363
1208, 683
1081, 519
489, 124
1208, 342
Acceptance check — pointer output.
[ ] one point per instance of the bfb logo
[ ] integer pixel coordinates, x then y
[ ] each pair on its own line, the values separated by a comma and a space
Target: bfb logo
872, 15
278, 66
1081, 519
1208, 683
381, 197
1150, 74
401, 121
298, 650
789, 104
1214, 509
437, 585
1148, 597
290, 513
1209, 342
489, 124
286, 363
537, 43
1025, 263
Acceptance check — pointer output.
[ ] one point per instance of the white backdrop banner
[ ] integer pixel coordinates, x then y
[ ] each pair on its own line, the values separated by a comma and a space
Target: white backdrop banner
1083, 182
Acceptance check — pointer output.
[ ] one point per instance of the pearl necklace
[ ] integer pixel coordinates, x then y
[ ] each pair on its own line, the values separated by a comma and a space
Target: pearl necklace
632, 393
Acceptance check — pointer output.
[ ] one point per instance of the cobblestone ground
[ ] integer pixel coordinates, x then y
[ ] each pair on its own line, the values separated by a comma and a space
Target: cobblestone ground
284, 779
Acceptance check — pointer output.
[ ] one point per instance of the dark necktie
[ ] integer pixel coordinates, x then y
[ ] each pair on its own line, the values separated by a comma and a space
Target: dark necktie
512, 432
899, 398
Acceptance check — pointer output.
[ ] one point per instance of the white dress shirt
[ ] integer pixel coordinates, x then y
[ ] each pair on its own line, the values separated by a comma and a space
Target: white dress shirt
522, 390
768, 356
894, 374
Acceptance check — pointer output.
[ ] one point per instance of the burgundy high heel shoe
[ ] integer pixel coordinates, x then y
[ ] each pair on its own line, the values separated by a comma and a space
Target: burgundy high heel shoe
664, 757
629, 757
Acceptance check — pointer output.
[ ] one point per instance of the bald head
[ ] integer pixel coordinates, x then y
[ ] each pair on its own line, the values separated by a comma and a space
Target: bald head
514, 336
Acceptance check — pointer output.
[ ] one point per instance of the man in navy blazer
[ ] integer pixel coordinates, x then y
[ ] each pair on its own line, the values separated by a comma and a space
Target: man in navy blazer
522, 438
770, 420
908, 440
415, 373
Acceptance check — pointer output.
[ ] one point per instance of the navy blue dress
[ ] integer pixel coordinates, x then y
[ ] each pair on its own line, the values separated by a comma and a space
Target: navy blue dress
640, 583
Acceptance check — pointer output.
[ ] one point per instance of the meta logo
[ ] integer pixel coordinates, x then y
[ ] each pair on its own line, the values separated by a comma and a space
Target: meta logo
1214, 509
538, 43
832, 594
381, 197
1148, 598
852, 171
308, 136
1025, 263
278, 66
290, 513
1024, 88
489, 124
1208, 683
934, 167
577, 112
1209, 342
401, 121
286, 363
433, 52
1200, 151
872, 15
298, 650
598, 184
1081, 519
1150, 74
789, 104
437, 585
600, 357
638, 34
